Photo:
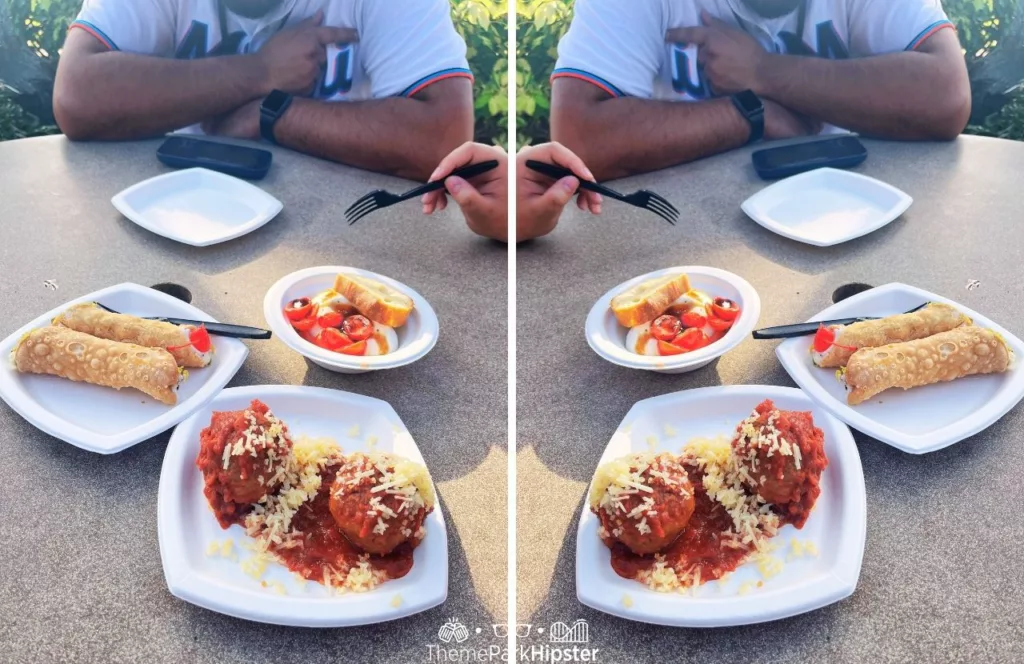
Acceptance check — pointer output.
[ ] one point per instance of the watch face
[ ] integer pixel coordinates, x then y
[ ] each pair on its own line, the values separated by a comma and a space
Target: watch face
750, 102
275, 101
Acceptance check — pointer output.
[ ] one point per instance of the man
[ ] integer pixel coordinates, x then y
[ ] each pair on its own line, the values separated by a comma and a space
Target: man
750, 69
139, 68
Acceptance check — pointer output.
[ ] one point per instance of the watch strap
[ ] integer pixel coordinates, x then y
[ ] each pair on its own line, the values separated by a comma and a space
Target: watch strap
755, 118
269, 116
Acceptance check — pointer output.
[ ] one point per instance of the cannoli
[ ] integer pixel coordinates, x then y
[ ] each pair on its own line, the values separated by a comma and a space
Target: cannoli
60, 351
833, 345
946, 356
189, 345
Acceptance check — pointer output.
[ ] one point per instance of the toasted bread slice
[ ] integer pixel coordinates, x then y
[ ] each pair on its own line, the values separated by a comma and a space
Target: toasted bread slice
377, 301
648, 300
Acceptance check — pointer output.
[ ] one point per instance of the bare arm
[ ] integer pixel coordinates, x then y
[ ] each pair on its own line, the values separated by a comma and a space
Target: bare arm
402, 136
622, 136
101, 94
922, 94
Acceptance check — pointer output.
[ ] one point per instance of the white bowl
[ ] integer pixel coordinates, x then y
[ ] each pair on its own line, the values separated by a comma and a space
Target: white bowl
608, 338
837, 524
186, 525
923, 419
197, 206
415, 338
100, 419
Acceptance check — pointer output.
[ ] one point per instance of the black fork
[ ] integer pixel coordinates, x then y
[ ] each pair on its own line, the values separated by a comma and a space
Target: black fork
644, 199
377, 199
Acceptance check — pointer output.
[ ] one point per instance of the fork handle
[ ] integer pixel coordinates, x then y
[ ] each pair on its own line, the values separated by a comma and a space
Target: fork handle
559, 172
464, 172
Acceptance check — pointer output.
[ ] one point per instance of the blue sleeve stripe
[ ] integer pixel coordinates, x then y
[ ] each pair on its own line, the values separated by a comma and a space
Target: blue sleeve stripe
569, 72
928, 32
95, 32
453, 72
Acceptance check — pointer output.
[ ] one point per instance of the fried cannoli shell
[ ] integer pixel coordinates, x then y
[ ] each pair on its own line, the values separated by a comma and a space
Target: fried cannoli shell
946, 356
932, 319
93, 319
61, 351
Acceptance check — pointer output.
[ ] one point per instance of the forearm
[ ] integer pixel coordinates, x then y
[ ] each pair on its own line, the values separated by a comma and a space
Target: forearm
639, 135
907, 95
398, 135
118, 96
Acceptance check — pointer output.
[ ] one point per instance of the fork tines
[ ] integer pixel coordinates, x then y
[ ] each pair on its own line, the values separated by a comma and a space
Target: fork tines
661, 207
371, 202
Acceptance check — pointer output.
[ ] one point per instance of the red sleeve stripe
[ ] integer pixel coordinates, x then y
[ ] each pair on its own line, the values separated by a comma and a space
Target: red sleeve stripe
95, 32
419, 85
589, 78
928, 32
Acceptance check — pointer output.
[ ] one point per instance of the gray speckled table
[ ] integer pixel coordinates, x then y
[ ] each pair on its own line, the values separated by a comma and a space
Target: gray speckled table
943, 566
80, 573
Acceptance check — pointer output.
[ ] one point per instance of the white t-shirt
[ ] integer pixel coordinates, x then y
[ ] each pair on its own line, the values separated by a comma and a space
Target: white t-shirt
404, 45
620, 46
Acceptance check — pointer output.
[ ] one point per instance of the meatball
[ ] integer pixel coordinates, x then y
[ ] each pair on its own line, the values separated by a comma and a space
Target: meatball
643, 501
783, 456
379, 501
240, 456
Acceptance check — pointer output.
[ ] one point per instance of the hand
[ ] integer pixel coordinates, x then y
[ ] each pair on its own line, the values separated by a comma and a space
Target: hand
780, 122
540, 199
730, 57
293, 58
243, 122
484, 201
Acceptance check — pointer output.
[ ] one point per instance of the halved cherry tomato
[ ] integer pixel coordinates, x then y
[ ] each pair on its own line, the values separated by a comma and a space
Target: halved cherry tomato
330, 319
665, 348
358, 348
298, 309
718, 324
691, 339
694, 318
332, 338
665, 328
305, 324
358, 328
725, 309
200, 339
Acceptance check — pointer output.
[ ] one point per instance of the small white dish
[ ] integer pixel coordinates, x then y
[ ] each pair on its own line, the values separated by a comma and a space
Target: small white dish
197, 206
101, 419
920, 420
415, 339
826, 206
837, 525
608, 338
186, 525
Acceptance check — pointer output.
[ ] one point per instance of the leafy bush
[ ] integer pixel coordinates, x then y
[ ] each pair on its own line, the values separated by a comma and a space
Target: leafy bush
991, 32
32, 33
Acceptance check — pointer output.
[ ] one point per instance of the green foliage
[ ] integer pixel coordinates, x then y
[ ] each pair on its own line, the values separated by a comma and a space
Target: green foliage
31, 39
484, 26
540, 25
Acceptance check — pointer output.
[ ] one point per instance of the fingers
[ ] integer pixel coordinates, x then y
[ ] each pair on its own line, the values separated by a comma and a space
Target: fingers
331, 35
557, 153
464, 155
431, 201
593, 201
558, 195
468, 198
696, 35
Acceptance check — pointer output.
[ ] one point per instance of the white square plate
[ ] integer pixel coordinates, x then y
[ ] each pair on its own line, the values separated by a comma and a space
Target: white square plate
187, 526
197, 206
920, 420
100, 419
837, 525
826, 206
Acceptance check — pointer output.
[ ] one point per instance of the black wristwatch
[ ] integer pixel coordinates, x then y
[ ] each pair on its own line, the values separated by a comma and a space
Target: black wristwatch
271, 110
750, 107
